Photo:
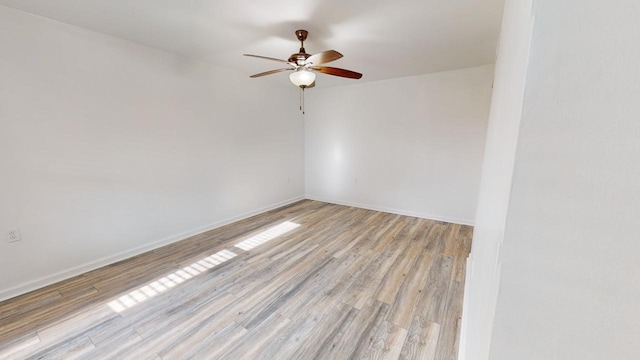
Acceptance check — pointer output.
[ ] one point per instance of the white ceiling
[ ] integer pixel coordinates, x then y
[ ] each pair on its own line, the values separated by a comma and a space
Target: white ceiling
380, 38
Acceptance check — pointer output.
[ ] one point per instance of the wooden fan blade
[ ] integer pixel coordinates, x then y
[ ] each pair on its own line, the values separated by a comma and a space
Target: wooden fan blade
269, 72
323, 57
337, 72
267, 58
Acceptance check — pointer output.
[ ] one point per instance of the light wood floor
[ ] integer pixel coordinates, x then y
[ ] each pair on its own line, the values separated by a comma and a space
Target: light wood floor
307, 281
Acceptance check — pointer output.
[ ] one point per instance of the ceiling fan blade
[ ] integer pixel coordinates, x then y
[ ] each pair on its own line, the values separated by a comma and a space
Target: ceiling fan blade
337, 72
269, 72
267, 58
323, 57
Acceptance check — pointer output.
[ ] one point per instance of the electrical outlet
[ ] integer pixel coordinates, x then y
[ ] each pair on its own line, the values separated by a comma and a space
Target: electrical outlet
13, 235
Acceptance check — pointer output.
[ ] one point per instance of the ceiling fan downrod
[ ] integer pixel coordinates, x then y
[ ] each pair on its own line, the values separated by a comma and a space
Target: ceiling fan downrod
302, 36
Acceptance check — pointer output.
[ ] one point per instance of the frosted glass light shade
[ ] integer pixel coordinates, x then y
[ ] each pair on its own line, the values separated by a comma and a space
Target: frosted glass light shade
302, 77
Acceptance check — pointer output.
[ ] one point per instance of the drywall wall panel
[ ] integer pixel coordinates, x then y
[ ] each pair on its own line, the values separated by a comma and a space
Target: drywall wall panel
569, 281
411, 146
483, 267
108, 148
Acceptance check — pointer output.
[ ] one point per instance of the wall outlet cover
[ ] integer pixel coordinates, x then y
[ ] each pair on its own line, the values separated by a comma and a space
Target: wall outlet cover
13, 235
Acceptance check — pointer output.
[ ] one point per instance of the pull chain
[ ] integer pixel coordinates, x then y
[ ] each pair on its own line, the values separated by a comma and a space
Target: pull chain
302, 99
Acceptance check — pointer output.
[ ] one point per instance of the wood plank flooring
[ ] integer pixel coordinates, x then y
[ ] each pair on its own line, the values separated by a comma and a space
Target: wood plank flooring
307, 281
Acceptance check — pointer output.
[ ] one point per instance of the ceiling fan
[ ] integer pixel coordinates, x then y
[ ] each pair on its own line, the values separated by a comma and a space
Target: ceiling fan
304, 66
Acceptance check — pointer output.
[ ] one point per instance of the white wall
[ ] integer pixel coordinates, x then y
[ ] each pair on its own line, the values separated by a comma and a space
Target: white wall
570, 282
108, 148
481, 286
411, 146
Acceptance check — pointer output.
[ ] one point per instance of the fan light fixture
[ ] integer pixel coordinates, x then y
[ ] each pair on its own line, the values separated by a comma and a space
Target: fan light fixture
302, 77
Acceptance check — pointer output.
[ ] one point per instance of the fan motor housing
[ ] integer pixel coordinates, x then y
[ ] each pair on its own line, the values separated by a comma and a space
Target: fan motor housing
298, 58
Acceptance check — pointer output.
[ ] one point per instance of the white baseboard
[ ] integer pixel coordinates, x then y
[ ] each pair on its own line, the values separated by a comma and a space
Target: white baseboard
395, 211
6, 294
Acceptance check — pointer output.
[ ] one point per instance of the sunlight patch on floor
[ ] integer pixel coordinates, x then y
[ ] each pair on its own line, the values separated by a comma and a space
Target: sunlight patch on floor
165, 283
267, 235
